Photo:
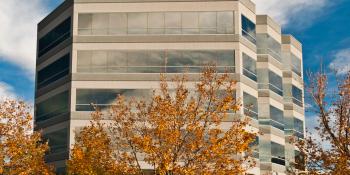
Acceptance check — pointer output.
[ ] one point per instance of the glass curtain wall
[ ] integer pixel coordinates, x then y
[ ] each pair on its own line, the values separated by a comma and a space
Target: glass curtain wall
156, 23
157, 61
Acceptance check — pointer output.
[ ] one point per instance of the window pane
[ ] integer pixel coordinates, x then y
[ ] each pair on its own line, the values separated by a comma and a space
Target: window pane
84, 61
249, 67
297, 96
99, 61
58, 140
277, 152
276, 84
207, 22
173, 23
277, 117
117, 61
248, 29
54, 71
117, 23
52, 107
225, 22
296, 64
156, 23
100, 23
190, 23
84, 24
137, 23
250, 104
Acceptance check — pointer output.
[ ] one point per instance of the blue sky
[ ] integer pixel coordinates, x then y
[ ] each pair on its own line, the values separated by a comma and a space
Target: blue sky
321, 25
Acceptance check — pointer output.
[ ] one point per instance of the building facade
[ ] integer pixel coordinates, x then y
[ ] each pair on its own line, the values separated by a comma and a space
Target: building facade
89, 51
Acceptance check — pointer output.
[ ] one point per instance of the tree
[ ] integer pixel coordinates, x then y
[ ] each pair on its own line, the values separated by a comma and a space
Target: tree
92, 153
22, 151
180, 130
333, 112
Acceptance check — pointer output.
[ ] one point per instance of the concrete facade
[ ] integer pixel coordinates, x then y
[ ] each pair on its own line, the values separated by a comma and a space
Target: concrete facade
250, 45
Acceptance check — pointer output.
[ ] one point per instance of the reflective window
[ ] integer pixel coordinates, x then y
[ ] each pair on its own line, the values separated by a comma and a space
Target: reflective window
54, 37
104, 98
297, 96
155, 61
156, 23
53, 72
248, 29
52, 107
268, 45
255, 147
57, 140
277, 118
275, 83
296, 64
250, 104
299, 128
249, 67
277, 153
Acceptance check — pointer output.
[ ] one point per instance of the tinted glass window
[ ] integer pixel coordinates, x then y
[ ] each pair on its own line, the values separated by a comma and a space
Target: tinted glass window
54, 37
250, 104
155, 61
104, 98
299, 128
296, 64
58, 140
268, 45
277, 153
52, 107
277, 118
297, 96
54, 71
275, 84
249, 67
248, 29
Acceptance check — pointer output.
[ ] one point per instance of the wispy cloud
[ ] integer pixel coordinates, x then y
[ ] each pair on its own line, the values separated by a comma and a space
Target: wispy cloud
286, 12
341, 61
18, 21
6, 91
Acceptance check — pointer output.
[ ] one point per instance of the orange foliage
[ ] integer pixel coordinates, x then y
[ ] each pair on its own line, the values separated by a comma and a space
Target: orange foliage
21, 150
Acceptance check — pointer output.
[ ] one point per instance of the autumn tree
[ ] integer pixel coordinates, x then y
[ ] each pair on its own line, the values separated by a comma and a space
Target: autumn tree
330, 153
92, 153
184, 128
22, 151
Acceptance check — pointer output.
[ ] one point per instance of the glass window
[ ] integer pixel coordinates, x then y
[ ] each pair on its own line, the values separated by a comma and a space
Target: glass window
297, 96
57, 140
117, 62
99, 61
100, 22
104, 98
250, 104
225, 22
156, 23
173, 23
255, 147
118, 23
299, 160
55, 37
277, 153
296, 64
249, 67
84, 24
299, 128
248, 29
207, 22
52, 107
277, 118
275, 84
190, 23
137, 23
268, 45
84, 61
53, 72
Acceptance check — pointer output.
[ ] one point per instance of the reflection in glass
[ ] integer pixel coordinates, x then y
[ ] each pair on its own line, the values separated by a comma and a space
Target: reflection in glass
277, 118
250, 104
248, 29
249, 67
297, 96
52, 107
154, 61
275, 83
137, 23
57, 140
277, 153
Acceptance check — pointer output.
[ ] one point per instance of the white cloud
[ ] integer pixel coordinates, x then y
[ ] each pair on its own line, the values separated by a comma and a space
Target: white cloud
6, 91
18, 19
341, 62
285, 12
